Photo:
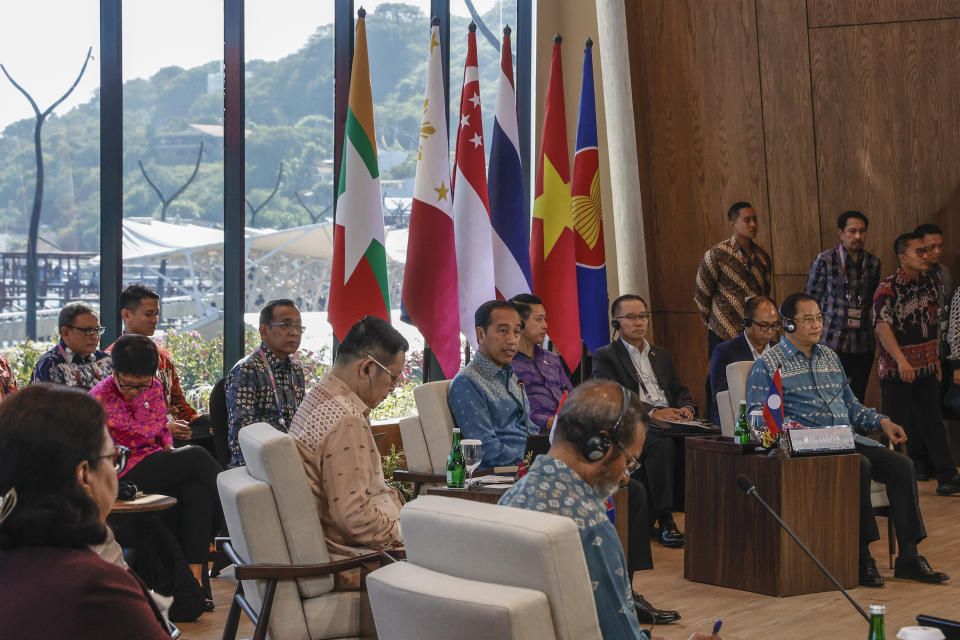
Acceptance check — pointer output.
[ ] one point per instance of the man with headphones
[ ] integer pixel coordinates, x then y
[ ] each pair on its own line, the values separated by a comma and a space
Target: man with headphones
600, 433
816, 392
760, 324
648, 371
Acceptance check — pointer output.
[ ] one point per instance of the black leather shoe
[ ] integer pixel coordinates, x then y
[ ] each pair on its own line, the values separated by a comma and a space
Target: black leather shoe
949, 487
208, 605
917, 569
869, 576
648, 614
669, 536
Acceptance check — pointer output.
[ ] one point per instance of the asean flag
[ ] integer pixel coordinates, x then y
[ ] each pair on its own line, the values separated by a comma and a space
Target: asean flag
773, 407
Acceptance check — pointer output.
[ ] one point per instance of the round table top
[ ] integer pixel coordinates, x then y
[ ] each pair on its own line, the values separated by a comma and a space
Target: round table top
143, 503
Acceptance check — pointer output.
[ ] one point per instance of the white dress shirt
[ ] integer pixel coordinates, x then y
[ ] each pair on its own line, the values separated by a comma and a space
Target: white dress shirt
648, 389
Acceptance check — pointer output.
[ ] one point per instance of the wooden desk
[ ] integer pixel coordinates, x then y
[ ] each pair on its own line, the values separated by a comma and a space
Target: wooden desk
733, 542
491, 495
146, 502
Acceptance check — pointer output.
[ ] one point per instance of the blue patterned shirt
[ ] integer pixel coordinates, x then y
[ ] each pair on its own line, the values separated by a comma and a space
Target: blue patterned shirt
809, 386
250, 397
489, 405
553, 487
838, 286
61, 365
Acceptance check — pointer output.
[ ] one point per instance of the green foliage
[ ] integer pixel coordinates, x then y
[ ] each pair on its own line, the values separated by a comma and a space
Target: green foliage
391, 462
199, 362
398, 404
23, 358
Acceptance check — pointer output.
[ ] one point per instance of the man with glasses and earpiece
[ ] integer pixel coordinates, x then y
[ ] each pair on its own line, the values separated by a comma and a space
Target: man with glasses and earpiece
76, 360
761, 322
267, 385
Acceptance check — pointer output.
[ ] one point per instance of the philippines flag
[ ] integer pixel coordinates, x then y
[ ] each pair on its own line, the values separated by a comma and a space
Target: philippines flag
773, 407
588, 217
471, 208
511, 238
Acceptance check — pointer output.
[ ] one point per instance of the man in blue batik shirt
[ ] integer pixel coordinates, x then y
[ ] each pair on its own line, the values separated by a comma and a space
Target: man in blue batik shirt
486, 399
599, 437
816, 392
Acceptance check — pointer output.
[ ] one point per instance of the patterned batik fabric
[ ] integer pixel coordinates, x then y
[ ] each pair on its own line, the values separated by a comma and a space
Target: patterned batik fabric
356, 506
139, 424
544, 380
489, 405
953, 335
250, 396
727, 276
815, 389
75, 370
910, 308
944, 299
8, 379
839, 286
553, 487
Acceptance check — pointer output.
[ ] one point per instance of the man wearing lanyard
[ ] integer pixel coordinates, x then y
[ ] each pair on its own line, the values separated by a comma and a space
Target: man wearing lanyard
842, 280
267, 385
648, 370
75, 361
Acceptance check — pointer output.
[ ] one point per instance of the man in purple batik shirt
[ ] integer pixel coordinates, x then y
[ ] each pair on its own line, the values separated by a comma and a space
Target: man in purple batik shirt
544, 377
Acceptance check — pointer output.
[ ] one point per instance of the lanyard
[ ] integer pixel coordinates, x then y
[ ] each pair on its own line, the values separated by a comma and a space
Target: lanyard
69, 363
273, 384
846, 283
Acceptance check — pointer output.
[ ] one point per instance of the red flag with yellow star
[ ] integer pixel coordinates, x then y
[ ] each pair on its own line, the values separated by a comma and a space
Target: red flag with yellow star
552, 240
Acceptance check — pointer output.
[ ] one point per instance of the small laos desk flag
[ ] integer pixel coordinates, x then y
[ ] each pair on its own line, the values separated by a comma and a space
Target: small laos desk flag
773, 407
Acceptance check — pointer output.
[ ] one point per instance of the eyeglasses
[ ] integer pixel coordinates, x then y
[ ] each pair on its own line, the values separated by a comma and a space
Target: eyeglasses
289, 328
119, 455
920, 251
7, 503
88, 331
132, 387
767, 326
393, 378
817, 319
632, 463
634, 317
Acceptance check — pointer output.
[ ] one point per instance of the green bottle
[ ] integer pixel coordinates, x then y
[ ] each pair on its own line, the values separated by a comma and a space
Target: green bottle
741, 434
877, 632
456, 470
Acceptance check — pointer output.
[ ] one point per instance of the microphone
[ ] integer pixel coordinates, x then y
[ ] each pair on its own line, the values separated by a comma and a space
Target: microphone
748, 488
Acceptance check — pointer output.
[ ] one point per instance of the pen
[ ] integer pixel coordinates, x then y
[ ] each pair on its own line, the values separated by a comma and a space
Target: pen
716, 627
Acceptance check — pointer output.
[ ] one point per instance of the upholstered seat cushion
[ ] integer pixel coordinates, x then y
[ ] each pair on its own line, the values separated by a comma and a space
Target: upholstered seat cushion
414, 602
332, 615
507, 546
436, 421
272, 457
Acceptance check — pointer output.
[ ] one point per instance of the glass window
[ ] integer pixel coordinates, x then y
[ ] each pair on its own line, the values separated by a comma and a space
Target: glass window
45, 56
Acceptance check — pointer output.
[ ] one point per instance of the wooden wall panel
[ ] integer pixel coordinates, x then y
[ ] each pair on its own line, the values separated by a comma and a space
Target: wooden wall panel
784, 285
703, 133
684, 335
791, 162
825, 13
886, 104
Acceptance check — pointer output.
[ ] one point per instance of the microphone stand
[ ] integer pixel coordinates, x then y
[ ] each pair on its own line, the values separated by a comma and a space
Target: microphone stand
751, 490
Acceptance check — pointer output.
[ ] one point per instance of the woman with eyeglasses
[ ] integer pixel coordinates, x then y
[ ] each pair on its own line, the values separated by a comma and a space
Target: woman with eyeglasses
137, 418
58, 482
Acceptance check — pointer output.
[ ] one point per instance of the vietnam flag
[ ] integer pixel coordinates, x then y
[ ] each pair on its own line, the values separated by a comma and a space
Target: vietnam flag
358, 280
552, 249
430, 276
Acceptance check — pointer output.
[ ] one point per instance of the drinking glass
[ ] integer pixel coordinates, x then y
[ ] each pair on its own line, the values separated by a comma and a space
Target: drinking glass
757, 424
471, 450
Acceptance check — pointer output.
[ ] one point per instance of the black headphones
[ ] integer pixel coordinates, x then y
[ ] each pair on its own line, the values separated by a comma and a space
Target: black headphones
596, 447
615, 324
789, 326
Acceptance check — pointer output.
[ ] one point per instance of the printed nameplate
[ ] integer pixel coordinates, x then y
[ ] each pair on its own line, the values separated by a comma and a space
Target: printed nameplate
812, 440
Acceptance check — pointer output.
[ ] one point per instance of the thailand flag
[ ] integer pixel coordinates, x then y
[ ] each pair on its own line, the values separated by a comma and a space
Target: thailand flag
773, 407
511, 238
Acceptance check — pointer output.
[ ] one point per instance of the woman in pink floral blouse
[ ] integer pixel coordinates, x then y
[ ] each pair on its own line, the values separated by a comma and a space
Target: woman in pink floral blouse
137, 418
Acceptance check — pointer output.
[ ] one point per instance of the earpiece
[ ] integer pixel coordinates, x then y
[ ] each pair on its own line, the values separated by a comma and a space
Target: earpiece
615, 324
596, 447
789, 325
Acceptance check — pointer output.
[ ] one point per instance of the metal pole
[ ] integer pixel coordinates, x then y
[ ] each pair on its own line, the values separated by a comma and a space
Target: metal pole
111, 167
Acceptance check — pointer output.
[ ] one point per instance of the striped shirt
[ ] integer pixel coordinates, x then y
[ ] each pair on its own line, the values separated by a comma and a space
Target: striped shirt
727, 276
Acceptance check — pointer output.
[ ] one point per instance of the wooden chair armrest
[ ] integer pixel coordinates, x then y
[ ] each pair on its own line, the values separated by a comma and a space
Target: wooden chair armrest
404, 475
246, 571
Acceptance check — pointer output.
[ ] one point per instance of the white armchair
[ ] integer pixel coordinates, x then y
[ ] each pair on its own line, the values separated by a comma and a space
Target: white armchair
500, 572
427, 436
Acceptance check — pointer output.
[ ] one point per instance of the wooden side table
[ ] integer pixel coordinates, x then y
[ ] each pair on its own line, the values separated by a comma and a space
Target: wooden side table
733, 542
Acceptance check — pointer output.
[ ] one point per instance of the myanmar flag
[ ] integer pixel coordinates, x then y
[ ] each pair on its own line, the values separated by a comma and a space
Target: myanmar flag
552, 248
358, 282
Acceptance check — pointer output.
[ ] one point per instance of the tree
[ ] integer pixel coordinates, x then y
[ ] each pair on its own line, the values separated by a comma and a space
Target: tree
38, 193
314, 217
255, 210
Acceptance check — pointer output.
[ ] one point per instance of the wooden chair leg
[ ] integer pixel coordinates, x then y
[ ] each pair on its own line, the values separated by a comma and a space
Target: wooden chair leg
260, 632
891, 538
233, 616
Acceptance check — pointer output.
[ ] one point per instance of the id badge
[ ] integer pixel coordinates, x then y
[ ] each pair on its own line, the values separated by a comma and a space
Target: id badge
853, 318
